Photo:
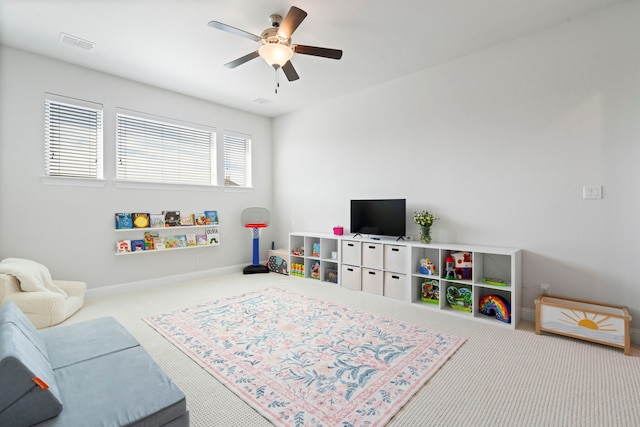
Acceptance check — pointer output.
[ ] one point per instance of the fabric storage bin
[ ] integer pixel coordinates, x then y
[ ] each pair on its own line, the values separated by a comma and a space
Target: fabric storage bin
395, 286
395, 258
372, 255
279, 261
350, 277
351, 252
372, 281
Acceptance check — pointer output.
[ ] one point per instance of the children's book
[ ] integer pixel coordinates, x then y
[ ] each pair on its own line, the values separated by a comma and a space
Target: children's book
149, 243
170, 242
137, 245
157, 220
187, 219
158, 242
171, 218
182, 241
123, 246
123, 220
213, 237
200, 219
191, 239
211, 217
201, 239
140, 220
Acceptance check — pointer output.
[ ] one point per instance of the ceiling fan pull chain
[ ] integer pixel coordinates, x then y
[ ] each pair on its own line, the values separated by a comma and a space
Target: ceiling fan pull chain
277, 80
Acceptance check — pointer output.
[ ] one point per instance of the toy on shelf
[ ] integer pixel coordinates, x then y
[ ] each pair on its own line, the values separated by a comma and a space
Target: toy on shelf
332, 276
464, 265
316, 250
460, 298
450, 268
495, 282
430, 291
315, 270
427, 267
495, 305
297, 270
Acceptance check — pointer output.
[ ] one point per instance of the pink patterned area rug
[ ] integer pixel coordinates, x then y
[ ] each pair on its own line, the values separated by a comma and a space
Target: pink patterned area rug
300, 361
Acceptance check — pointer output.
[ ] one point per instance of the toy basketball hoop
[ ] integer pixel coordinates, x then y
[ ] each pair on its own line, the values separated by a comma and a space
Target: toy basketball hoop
255, 219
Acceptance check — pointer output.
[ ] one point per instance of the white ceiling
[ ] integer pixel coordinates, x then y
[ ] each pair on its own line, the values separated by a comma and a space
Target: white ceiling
167, 43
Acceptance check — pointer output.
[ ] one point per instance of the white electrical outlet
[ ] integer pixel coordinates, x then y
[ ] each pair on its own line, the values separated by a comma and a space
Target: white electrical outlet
545, 288
592, 192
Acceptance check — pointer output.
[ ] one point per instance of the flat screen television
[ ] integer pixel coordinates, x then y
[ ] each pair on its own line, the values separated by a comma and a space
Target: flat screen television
381, 217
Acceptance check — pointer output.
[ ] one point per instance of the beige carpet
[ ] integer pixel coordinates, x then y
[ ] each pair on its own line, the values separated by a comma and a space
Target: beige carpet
500, 377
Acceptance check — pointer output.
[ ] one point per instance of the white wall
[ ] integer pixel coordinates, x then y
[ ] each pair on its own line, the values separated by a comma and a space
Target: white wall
70, 229
498, 144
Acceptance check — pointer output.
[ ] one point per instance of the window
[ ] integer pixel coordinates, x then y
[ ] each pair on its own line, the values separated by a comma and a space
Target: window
237, 160
159, 150
73, 138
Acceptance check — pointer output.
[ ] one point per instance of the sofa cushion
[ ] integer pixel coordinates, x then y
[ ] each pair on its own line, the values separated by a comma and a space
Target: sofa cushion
10, 313
126, 388
29, 390
78, 342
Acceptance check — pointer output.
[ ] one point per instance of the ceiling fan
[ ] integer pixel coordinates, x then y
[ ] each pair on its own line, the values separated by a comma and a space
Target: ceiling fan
276, 47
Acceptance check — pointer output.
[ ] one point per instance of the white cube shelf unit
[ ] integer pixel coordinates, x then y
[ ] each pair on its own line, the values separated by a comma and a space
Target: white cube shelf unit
487, 291
321, 265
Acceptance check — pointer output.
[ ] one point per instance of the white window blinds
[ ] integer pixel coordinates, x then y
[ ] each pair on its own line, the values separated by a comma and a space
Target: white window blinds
73, 138
237, 160
162, 151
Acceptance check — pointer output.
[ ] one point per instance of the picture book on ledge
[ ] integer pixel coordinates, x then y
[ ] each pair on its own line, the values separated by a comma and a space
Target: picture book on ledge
213, 237
123, 246
157, 220
123, 221
140, 220
211, 217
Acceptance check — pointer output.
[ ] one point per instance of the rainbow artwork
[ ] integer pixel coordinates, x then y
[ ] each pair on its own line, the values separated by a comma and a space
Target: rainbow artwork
495, 305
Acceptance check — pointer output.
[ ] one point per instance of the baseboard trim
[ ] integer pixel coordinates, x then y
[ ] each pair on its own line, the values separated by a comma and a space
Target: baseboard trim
122, 288
529, 314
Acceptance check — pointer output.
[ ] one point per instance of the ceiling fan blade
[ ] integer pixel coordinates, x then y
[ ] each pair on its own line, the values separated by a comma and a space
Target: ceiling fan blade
290, 22
318, 51
290, 72
234, 30
248, 57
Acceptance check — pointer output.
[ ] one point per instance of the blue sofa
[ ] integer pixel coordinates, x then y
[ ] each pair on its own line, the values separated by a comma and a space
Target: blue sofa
92, 373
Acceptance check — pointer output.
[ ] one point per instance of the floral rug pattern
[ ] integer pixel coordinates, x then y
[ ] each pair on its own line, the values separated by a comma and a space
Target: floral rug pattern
300, 361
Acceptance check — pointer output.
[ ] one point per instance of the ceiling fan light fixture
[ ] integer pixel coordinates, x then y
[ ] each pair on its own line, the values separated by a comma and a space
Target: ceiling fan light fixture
275, 54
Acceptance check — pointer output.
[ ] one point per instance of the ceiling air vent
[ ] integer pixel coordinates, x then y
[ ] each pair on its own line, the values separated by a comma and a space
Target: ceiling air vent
262, 101
70, 40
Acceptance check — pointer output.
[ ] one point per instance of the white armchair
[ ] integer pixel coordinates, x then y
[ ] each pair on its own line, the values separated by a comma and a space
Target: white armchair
44, 309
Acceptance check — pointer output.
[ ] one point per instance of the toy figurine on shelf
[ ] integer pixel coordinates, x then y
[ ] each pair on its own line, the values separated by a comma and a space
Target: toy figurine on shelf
464, 265
451, 269
427, 267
